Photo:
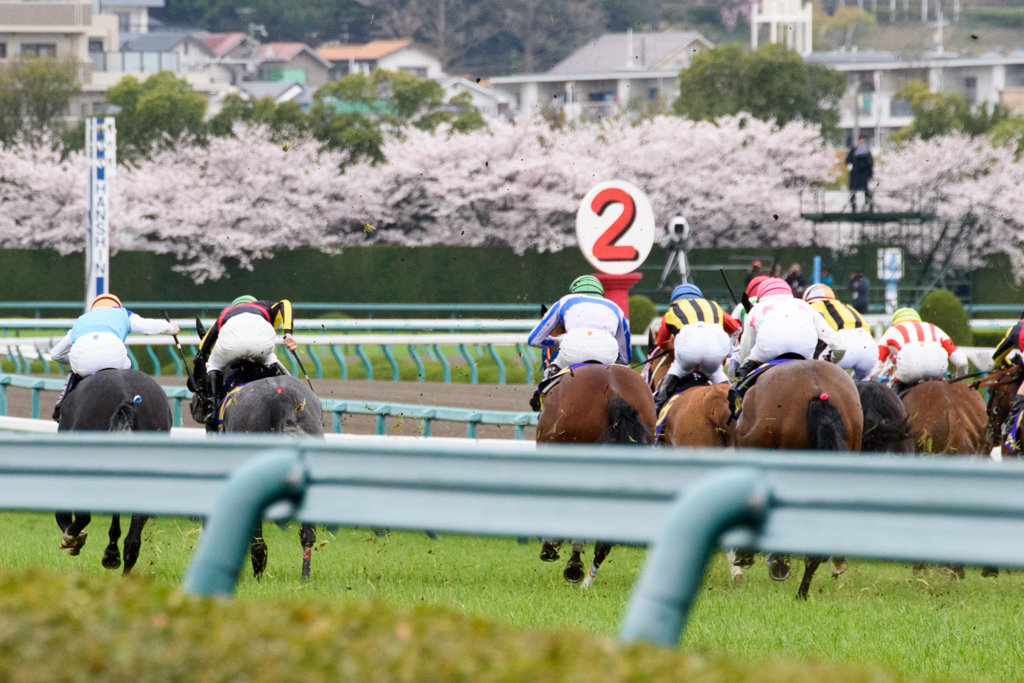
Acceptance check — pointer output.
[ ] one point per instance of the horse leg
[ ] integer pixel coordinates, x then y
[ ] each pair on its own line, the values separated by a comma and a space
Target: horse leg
73, 525
573, 572
258, 551
735, 572
838, 565
778, 566
989, 572
133, 542
810, 566
307, 536
601, 551
549, 549
111, 555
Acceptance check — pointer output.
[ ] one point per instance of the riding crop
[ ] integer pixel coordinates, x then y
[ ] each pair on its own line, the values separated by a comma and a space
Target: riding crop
177, 343
303, 368
650, 358
735, 301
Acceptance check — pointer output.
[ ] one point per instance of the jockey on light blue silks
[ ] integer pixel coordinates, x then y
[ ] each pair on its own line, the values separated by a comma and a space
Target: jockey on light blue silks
584, 326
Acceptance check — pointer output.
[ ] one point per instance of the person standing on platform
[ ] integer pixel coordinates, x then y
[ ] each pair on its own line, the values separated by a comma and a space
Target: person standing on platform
862, 167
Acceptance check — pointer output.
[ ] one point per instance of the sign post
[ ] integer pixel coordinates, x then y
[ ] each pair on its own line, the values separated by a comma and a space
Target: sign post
890, 271
101, 153
615, 231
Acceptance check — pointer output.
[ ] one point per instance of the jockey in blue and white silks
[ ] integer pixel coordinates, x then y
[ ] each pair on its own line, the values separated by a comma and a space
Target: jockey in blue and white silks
584, 326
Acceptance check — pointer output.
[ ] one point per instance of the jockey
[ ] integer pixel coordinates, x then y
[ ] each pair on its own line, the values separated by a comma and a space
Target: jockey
1012, 341
96, 341
780, 324
584, 326
245, 329
919, 351
701, 330
861, 350
740, 314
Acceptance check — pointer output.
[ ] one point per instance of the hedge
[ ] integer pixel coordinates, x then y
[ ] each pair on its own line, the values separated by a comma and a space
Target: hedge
942, 308
105, 630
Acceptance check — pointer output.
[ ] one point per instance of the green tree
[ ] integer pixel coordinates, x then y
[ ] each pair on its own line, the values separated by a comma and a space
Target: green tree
34, 95
942, 308
772, 82
354, 113
842, 28
157, 111
938, 113
1009, 132
283, 118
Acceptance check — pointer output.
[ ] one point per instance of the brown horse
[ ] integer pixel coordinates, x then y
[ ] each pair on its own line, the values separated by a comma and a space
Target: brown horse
594, 404
1002, 390
700, 416
946, 417
802, 405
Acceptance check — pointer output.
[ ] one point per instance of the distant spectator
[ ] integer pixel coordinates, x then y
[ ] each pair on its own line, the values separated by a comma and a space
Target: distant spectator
826, 277
776, 271
796, 280
862, 166
859, 289
755, 271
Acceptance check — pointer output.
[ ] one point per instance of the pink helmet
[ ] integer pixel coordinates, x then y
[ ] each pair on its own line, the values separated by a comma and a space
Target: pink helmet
773, 286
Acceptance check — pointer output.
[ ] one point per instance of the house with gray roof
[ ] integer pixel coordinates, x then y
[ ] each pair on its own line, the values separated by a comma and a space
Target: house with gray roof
608, 75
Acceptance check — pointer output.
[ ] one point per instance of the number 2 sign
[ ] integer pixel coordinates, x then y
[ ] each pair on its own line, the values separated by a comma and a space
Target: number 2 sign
615, 227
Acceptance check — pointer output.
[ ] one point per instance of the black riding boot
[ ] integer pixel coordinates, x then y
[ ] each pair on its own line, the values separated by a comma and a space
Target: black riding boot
668, 387
72, 382
215, 393
747, 367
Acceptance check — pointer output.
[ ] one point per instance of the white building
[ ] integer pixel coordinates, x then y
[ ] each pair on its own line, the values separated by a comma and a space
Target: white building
608, 76
788, 21
487, 101
873, 79
391, 55
132, 15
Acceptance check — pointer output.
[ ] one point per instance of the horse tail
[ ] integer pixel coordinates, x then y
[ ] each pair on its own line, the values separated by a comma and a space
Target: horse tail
283, 415
825, 428
625, 425
123, 419
886, 428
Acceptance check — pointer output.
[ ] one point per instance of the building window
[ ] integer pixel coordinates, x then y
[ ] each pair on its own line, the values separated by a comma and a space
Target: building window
417, 71
38, 50
99, 107
971, 89
95, 46
652, 94
124, 21
3, 50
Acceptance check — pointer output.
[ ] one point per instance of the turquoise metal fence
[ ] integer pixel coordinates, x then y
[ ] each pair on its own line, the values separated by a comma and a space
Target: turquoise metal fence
337, 408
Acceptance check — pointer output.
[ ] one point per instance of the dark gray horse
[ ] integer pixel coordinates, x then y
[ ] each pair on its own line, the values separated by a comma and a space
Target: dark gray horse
886, 429
112, 401
283, 405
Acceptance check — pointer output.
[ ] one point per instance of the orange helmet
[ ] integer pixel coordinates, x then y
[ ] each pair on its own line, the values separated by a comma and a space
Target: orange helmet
819, 293
105, 301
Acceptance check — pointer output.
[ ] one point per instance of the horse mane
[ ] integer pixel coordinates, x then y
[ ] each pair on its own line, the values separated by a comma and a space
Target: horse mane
886, 428
624, 424
825, 428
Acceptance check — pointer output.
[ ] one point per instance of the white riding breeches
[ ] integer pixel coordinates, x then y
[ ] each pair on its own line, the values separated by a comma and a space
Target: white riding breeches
861, 352
581, 345
98, 351
918, 361
785, 334
701, 346
245, 336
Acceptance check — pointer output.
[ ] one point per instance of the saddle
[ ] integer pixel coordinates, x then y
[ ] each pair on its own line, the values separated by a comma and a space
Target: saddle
738, 390
236, 375
546, 385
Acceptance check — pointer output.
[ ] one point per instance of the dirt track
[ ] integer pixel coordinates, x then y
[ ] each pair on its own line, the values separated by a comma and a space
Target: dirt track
480, 396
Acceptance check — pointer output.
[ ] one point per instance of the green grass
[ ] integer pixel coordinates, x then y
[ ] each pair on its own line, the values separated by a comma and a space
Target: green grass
878, 615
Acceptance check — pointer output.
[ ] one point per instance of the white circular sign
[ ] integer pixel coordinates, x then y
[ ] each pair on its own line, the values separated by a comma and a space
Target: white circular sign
615, 227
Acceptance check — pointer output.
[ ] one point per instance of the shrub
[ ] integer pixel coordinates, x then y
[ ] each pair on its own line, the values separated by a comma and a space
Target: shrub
641, 313
941, 307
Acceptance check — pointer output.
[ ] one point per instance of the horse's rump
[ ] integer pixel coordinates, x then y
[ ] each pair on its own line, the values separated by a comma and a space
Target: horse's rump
116, 401
579, 408
825, 428
886, 429
946, 417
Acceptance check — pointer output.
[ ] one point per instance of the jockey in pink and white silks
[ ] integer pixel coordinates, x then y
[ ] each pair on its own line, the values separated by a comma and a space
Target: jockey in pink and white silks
780, 324
583, 326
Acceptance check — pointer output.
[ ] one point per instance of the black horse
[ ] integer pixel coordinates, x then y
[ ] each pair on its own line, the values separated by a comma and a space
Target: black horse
886, 428
112, 401
282, 405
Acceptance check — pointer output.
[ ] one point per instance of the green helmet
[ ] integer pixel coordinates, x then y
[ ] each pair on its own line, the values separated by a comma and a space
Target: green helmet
245, 299
587, 284
902, 315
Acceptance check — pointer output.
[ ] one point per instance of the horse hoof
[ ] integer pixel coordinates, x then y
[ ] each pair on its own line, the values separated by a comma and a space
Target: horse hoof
73, 544
838, 568
111, 558
989, 572
736, 574
549, 552
574, 569
778, 569
745, 560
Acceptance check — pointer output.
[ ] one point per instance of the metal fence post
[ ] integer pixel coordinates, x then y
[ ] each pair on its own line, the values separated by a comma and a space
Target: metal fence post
674, 571
252, 487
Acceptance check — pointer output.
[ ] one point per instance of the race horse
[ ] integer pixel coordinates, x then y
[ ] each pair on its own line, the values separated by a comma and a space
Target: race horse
946, 417
594, 403
802, 405
112, 401
280, 405
700, 414
886, 428
1002, 388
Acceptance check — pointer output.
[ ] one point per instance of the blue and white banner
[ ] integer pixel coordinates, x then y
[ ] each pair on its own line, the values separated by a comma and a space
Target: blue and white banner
101, 152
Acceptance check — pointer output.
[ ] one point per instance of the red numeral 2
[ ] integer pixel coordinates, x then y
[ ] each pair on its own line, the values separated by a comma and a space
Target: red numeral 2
605, 248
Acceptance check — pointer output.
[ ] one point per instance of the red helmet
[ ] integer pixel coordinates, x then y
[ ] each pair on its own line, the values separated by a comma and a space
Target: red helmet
774, 286
753, 285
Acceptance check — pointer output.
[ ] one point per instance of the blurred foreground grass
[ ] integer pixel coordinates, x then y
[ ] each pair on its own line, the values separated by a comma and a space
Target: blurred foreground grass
355, 614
